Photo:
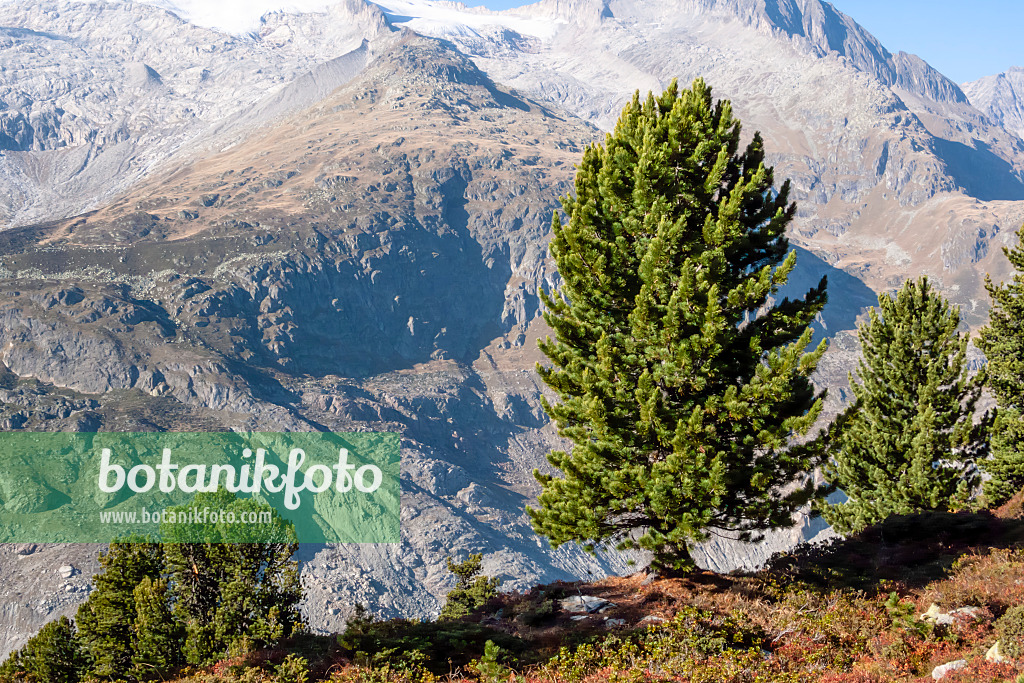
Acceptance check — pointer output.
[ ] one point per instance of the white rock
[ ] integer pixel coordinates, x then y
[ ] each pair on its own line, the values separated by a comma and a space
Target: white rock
994, 655
940, 671
584, 603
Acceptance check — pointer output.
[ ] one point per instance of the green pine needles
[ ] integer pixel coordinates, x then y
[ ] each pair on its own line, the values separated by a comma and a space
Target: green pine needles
681, 384
1003, 345
909, 441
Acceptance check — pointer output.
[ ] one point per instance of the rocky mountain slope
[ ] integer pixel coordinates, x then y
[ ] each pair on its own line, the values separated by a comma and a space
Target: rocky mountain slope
895, 172
1001, 97
338, 221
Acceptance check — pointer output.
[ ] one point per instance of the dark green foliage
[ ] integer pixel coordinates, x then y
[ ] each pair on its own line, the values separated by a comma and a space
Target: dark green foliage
471, 590
53, 655
192, 599
106, 621
1003, 344
1010, 629
908, 443
232, 596
157, 635
681, 386
438, 647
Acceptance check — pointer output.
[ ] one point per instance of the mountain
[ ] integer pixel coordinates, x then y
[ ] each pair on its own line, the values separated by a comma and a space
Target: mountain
1001, 97
95, 95
338, 219
894, 171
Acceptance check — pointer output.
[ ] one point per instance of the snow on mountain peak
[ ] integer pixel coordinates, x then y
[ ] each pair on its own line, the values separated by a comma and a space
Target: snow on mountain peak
445, 18
236, 17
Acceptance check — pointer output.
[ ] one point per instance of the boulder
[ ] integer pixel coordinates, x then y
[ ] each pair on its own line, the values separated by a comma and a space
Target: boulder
943, 669
994, 655
585, 603
936, 616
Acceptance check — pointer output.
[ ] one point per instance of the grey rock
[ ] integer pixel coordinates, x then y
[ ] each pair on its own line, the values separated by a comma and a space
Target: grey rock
584, 603
993, 654
940, 671
1001, 97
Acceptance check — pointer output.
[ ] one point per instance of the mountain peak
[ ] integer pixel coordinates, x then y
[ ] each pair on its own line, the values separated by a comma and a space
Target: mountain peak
1001, 98
824, 29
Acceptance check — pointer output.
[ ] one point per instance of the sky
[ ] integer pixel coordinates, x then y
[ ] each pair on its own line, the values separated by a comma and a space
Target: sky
963, 40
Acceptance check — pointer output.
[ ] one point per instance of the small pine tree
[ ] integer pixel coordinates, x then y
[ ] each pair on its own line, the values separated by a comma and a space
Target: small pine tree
54, 655
106, 619
1003, 344
908, 443
471, 590
157, 635
682, 380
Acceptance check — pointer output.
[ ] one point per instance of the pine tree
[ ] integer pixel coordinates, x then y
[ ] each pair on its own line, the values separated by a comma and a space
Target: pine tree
1003, 344
232, 594
471, 590
909, 441
106, 619
157, 636
53, 655
681, 385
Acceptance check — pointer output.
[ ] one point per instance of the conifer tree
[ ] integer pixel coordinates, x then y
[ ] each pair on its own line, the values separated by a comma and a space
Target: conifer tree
1002, 342
681, 381
106, 619
909, 441
53, 655
471, 589
232, 594
157, 635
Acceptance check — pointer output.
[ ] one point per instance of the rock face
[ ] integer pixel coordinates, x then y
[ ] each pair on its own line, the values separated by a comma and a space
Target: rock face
1001, 97
335, 222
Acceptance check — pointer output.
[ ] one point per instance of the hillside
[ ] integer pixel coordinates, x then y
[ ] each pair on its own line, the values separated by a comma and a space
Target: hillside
927, 597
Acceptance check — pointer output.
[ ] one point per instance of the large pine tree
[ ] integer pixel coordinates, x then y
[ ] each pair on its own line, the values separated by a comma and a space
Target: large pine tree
1002, 341
909, 442
681, 385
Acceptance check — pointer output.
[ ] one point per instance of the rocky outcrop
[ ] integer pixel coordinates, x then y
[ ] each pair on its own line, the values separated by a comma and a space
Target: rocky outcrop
1001, 98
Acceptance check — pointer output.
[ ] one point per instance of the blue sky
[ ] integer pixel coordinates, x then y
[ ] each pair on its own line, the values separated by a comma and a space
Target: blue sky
963, 40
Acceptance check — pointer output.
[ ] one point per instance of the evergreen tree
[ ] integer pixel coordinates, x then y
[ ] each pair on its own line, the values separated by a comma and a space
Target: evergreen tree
106, 620
157, 635
681, 385
237, 594
471, 590
908, 442
53, 655
1003, 344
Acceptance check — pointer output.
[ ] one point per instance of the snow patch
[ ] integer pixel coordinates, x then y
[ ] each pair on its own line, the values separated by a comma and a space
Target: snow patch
445, 19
